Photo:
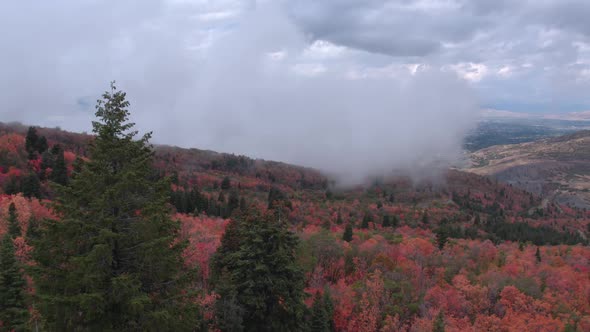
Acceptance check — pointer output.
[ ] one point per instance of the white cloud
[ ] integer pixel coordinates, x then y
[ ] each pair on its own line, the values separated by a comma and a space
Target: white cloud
473, 72
309, 69
505, 71
321, 49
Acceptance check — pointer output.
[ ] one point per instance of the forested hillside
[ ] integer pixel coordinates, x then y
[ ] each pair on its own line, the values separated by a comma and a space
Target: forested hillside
99, 234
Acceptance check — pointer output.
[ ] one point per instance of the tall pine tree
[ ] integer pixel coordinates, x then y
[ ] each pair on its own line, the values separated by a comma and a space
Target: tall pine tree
13, 226
347, 235
59, 173
112, 262
319, 316
13, 308
258, 279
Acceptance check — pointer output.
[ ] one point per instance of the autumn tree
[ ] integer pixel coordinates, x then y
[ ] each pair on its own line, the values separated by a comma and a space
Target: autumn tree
112, 261
258, 279
13, 308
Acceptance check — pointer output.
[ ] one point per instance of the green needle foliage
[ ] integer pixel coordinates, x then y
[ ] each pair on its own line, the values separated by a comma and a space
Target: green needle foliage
112, 261
257, 276
13, 308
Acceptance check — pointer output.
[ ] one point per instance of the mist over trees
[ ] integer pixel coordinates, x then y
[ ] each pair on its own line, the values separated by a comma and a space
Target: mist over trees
107, 233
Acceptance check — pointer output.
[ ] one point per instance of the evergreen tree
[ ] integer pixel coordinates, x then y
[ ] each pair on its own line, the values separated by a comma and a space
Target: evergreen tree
233, 202
46, 162
538, 255
439, 323
442, 236
347, 236
31, 186
14, 230
12, 186
319, 316
243, 205
33, 231
14, 314
42, 145
257, 275
59, 173
77, 166
386, 221
112, 262
276, 197
366, 219
212, 209
339, 220
394, 221
425, 219
13, 309
31, 142
329, 306
326, 224
226, 183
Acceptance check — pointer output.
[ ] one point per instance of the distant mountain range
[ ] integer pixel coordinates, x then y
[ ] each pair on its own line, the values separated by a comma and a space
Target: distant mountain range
502, 114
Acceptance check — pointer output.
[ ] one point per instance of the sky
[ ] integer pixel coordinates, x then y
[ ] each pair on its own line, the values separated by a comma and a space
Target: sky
306, 81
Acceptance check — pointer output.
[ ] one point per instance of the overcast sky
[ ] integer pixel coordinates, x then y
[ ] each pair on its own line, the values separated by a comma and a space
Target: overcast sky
273, 79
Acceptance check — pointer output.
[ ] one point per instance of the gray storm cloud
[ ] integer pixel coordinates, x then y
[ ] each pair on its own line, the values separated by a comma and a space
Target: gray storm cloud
256, 90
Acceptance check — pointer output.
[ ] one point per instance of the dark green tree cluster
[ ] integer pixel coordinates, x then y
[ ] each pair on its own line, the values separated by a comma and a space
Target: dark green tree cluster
339, 219
225, 183
501, 230
14, 314
189, 201
255, 273
220, 207
112, 263
232, 163
367, 218
347, 235
322, 313
277, 197
35, 144
59, 171
29, 185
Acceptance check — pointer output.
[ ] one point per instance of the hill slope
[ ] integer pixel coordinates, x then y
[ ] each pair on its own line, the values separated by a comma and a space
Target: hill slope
557, 168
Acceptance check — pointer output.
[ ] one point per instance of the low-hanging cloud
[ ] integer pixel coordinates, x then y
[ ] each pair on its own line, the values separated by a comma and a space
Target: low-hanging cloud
257, 90
251, 99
